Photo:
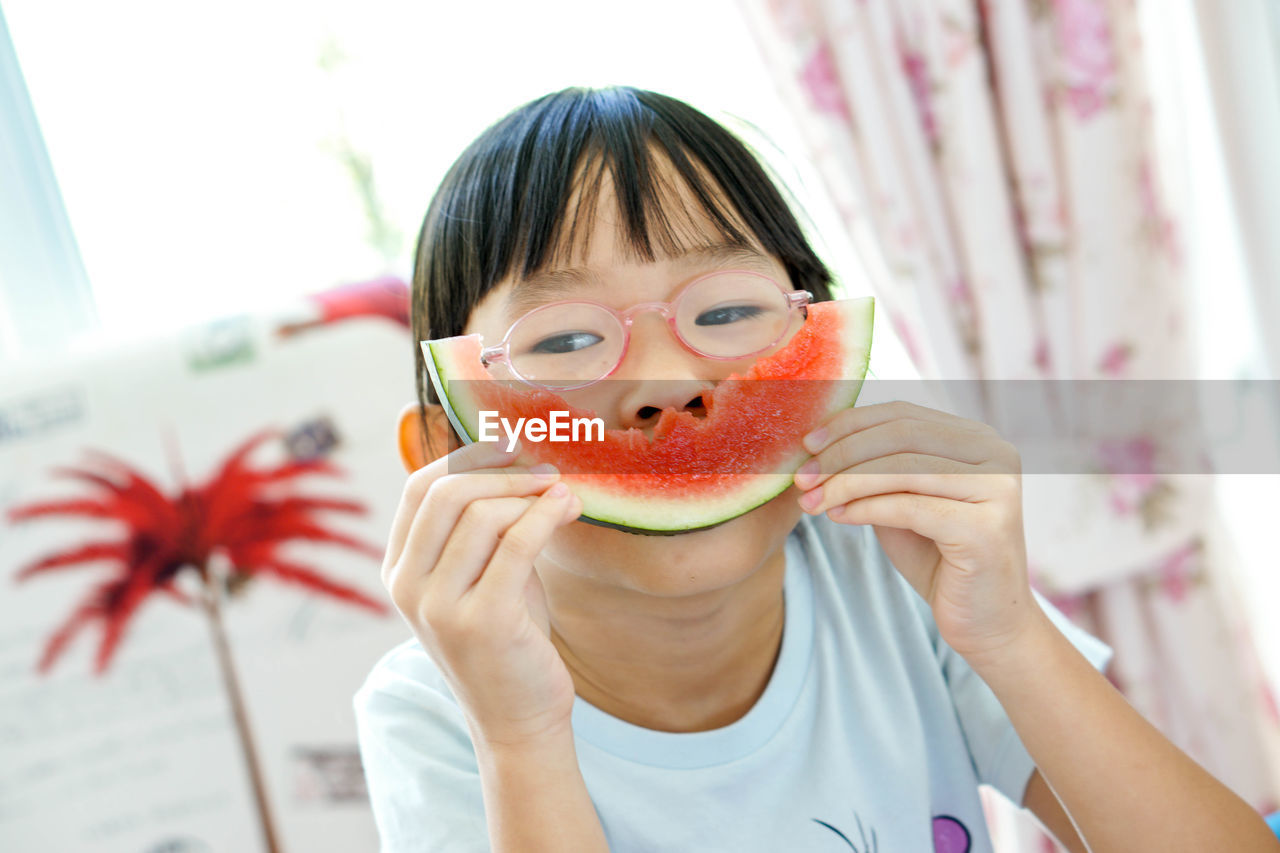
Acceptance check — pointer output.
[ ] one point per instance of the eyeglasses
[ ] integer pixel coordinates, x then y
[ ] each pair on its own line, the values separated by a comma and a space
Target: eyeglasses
724, 316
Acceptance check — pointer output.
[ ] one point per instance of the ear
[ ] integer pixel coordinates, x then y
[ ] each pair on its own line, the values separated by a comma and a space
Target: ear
418, 449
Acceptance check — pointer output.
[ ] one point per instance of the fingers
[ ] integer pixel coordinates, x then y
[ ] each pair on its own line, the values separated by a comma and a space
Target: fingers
897, 436
502, 534
860, 418
944, 521
982, 448
903, 448
901, 472
469, 545
420, 485
508, 571
453, 495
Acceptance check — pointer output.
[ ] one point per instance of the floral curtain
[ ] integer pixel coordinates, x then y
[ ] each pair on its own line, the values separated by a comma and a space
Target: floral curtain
1001, 153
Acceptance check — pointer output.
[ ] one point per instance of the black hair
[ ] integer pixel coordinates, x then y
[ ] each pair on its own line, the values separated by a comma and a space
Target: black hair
503, 208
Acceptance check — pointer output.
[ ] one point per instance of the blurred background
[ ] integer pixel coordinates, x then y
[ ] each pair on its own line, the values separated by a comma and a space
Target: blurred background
207, 217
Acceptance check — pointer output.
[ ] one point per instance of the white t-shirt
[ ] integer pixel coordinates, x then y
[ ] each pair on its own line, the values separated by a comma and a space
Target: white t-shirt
872, 735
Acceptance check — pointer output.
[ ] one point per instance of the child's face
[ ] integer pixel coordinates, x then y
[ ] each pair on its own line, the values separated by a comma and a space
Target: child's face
656, 371
610, 274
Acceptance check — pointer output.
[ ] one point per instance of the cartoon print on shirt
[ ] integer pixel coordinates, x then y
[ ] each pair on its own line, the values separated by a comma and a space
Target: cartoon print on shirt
950, 835
872, 846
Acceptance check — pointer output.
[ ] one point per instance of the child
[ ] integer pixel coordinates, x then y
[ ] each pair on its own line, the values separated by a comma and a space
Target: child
795, 679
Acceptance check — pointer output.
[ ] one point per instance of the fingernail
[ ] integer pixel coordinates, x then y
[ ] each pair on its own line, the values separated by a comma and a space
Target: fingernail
545, 471
808, 474
815, 440
559, 490
811, 499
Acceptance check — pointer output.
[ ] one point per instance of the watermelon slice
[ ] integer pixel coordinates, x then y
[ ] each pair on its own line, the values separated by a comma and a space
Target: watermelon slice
695, 472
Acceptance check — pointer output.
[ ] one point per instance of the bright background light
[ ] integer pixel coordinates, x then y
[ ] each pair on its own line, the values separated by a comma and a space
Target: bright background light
205, 152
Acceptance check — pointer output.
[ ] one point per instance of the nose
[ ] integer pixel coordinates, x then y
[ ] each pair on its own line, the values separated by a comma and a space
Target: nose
660, 373
644, 403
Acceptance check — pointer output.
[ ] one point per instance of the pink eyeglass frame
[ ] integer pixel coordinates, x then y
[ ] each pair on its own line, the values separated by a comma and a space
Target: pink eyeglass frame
501, 351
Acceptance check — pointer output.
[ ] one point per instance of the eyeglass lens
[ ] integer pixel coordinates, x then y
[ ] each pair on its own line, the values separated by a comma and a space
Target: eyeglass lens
729, 315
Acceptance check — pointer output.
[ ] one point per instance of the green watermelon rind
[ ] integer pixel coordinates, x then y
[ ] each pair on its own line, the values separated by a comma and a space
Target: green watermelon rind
434, 352
648, 515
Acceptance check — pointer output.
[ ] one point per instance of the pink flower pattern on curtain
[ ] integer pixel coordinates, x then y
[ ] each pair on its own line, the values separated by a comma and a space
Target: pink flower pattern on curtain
1002, 153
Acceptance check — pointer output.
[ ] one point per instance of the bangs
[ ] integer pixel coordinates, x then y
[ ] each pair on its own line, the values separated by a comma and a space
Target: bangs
665, 203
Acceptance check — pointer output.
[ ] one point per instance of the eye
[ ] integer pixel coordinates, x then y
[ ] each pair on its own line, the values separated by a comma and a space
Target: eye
565, 342
728, 314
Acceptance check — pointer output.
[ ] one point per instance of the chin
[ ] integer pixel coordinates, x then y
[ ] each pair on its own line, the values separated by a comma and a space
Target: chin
685, 563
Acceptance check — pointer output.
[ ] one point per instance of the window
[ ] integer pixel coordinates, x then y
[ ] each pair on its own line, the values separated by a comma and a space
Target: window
222, 158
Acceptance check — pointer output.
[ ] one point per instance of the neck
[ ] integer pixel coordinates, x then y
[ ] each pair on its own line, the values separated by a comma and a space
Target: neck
681, 664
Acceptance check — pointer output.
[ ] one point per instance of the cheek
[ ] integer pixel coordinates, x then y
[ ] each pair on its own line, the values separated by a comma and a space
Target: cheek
601, 399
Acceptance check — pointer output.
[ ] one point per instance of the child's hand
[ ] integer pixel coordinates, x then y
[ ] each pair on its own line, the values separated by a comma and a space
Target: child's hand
459, 567
945, 496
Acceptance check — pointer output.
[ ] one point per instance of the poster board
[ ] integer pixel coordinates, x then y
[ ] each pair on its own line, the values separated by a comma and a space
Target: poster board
146, 756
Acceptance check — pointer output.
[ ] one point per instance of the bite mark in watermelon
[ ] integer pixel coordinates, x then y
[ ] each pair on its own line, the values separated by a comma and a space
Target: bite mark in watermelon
696, 472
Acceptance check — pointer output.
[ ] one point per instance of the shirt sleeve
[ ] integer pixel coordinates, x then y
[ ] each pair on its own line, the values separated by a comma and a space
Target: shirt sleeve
998, 754
419, 764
